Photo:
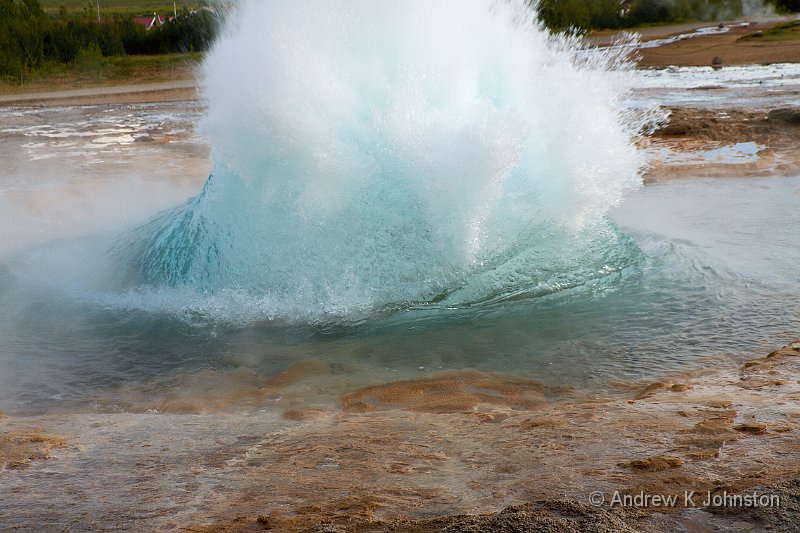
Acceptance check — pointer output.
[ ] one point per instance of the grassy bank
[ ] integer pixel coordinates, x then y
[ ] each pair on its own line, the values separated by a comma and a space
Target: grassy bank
789, 31
129, 7
93, 71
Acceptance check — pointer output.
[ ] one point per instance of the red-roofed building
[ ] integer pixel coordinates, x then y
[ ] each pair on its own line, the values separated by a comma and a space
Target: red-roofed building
150, 22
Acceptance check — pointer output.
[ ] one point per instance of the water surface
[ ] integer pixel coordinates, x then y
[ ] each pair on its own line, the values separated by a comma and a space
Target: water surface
717, 275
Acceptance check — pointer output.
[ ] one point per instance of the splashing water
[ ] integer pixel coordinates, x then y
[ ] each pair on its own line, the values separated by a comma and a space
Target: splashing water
372, 155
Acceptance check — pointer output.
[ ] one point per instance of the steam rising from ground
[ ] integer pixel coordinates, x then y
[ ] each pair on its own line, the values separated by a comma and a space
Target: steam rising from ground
749, 8
381, 154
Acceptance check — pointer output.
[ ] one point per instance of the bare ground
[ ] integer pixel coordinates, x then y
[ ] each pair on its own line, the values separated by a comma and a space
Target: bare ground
449, 453
691, 130
135, 93
701, 51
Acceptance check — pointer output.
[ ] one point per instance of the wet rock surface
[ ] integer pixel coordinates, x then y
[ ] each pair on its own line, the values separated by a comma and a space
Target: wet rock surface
698, 143
422, 458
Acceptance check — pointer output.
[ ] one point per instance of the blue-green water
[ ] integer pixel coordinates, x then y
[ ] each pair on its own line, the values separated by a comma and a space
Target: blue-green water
717, 274
371, 157
396, 189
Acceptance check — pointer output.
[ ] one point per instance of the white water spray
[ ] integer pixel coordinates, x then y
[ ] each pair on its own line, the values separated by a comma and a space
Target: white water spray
373, 154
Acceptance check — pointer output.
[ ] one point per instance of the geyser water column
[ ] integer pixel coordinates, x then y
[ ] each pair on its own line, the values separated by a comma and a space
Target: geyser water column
385, 154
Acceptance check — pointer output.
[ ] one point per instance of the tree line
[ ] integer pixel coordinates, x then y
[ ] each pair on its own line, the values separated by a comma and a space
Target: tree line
30, 38
562, 15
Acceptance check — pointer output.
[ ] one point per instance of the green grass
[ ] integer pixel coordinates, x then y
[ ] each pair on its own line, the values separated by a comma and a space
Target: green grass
116, 70
129, 7
788, 31
150, 67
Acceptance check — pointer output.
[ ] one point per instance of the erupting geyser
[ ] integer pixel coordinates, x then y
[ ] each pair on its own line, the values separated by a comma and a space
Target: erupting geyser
383, 154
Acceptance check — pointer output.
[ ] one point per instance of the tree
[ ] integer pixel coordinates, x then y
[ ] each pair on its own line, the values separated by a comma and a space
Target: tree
788, 5
563, 15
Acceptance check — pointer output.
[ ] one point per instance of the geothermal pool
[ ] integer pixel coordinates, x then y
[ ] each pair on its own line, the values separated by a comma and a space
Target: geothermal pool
386, 201
713, 272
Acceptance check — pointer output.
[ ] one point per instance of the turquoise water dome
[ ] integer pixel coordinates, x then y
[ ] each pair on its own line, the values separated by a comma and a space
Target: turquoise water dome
374, 155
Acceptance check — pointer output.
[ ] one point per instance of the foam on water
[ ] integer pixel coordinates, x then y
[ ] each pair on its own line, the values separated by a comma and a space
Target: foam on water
373, 155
